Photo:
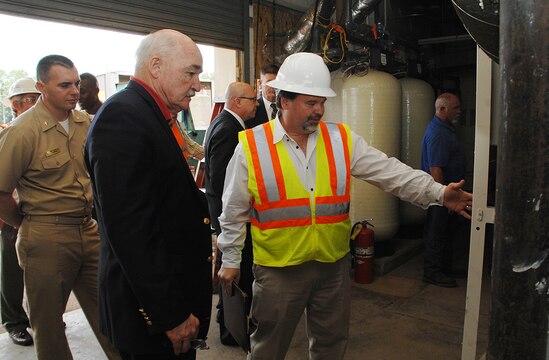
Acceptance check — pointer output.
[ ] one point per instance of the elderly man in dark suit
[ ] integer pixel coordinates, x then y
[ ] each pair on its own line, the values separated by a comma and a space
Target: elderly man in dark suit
267, 109
155, 263
221, 139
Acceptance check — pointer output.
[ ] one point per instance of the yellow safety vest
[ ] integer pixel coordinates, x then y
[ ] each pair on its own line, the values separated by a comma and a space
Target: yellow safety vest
291, 225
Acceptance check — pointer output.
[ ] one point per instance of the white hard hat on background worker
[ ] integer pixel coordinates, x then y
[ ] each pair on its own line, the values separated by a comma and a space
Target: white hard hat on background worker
304, 73
24, 85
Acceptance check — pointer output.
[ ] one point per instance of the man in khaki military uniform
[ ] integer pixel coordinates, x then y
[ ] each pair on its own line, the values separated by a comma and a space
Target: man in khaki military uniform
41, 155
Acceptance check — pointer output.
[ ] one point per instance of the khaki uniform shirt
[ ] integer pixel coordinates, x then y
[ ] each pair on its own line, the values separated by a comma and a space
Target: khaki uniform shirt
45, 164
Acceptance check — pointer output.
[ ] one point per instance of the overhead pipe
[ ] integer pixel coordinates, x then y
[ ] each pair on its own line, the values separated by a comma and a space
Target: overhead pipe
361, 9
300, 37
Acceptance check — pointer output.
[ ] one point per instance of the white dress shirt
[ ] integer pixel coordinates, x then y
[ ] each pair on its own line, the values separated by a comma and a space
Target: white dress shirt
237, 117
367, 163
268, 107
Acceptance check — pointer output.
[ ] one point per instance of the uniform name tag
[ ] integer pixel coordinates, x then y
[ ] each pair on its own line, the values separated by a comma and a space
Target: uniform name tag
52, 152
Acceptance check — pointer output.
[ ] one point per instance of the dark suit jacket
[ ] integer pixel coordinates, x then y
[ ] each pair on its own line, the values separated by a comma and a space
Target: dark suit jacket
155, 263
261, 115
221, 140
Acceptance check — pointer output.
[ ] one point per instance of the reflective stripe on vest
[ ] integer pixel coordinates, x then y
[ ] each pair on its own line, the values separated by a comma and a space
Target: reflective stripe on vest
274, 209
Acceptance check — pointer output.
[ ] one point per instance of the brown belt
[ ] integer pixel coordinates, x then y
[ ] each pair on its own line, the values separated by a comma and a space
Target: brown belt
59, 219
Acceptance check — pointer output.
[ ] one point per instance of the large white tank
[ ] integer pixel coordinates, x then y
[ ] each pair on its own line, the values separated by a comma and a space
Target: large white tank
372, 107
333, 108
418, 108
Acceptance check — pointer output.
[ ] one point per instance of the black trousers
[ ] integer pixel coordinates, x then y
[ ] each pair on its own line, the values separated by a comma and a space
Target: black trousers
13, 315
190, 355
440, 232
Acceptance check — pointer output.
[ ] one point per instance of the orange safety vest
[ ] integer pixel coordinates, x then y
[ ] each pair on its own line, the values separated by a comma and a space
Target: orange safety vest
291, 224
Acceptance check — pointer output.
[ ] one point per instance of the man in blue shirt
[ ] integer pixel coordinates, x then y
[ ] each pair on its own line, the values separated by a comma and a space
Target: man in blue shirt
443, 157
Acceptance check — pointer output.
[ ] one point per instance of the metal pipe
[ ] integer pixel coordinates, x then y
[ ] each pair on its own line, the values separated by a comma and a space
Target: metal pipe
520, 277
362, 8
301, 36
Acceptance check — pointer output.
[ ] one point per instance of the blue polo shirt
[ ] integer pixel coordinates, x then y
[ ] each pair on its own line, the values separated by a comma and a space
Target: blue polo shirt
441, 148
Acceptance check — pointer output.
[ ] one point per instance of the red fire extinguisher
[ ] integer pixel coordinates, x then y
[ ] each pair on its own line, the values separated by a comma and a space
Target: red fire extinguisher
363, 252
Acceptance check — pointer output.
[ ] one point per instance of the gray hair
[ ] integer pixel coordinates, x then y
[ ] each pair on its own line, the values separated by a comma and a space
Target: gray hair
153, 44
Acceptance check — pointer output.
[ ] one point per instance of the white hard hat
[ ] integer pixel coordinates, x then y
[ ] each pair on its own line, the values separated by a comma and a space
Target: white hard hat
304, 73
24, 85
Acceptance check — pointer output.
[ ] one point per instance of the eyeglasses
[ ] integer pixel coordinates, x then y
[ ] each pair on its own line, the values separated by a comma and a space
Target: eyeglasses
29, 99
254, 99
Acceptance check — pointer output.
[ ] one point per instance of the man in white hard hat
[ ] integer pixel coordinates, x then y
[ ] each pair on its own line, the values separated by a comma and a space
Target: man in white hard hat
22, 95
292, 177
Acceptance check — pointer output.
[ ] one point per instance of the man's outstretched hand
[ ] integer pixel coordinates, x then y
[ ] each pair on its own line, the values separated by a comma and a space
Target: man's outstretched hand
458, 200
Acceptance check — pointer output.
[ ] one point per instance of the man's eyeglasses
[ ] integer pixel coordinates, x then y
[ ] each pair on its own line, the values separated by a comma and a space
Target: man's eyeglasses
29, 99
248, 98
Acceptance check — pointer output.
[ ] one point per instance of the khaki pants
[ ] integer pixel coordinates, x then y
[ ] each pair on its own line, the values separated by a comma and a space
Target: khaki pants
57, 259
281, 295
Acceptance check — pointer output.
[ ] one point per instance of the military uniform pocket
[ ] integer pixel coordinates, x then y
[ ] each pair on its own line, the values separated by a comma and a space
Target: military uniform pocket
56, 161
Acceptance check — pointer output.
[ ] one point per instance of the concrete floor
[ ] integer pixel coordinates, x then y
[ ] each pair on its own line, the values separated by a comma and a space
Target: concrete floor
396, 317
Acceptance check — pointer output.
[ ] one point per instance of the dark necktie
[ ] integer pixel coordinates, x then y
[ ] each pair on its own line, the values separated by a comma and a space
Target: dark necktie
274, 111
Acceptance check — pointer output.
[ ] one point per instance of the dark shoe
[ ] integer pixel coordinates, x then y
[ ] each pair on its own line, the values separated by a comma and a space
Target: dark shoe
20, 337
226, 338
455, 273
439, 279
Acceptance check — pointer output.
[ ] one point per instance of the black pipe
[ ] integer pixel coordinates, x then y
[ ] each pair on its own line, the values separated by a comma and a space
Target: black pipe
363, 8
519, 312
315, 33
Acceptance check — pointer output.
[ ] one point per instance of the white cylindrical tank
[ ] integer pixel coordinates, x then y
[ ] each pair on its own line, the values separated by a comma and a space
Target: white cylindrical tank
372, 107
418, 108
333, 109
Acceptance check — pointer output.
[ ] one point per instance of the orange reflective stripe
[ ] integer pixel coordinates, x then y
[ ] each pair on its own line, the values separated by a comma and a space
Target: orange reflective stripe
276, 162
333, 199
330, 156
331, 219
277, 224
257, 167
288, 203
347, 156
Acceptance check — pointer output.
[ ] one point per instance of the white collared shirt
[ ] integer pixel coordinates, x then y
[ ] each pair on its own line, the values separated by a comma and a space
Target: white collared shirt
268, 108
237, 117
367, 163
